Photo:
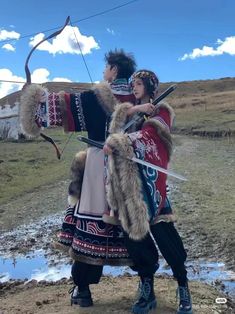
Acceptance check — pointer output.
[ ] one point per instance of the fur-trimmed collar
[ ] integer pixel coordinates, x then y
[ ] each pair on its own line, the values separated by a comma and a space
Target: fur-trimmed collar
120, 118
105, 96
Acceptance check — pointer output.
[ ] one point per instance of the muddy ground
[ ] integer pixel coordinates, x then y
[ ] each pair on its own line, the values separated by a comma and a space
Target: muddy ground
204, 206
113, 295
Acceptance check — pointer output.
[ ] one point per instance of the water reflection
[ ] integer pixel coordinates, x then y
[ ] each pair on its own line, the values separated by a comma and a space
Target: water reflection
38, 266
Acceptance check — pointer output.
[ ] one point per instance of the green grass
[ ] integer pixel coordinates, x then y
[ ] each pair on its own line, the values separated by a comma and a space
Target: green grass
28, 165
205, 203
205, 120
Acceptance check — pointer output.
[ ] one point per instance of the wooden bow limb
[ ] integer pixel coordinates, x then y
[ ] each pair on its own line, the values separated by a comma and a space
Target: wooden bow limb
28, 78
27, 71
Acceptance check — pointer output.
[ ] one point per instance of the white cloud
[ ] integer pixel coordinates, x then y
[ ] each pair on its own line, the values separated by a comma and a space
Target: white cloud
4, 34
61, 79
111, 31
40, 75
66, 42
8, 47
8, 88
223, 47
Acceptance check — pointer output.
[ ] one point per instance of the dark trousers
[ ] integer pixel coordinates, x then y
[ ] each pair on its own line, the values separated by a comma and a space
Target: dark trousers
145, 255
85, 274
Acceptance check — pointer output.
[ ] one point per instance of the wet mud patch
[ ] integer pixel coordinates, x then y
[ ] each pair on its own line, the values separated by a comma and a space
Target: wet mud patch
112, 295
205, 221
27, 253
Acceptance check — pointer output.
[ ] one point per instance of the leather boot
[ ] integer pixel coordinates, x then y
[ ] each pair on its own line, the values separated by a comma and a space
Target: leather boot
81, 296
146, 300
185, 304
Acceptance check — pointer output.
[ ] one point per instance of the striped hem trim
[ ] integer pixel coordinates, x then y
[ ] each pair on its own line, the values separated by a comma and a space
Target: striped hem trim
100, 261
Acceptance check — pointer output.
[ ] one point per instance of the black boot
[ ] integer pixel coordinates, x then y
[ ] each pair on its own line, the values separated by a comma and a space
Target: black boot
185, 304
81, 297
146, 300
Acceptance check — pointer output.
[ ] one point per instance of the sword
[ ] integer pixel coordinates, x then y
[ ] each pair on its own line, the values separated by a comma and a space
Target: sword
134, 159
139, 116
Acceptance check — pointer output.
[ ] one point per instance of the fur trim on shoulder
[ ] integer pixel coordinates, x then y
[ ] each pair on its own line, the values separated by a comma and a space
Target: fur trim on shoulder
105, 97
119, 117
124, 188
162, 132
29, 101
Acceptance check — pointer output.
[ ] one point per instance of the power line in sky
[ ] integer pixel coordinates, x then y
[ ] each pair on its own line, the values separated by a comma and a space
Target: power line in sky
74, 22
7, 81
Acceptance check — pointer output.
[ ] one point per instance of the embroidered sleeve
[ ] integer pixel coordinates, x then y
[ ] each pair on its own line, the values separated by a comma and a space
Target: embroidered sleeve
83, 112
74, 113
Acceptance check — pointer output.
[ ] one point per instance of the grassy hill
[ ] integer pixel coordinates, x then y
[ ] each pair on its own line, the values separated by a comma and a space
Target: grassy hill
205, 108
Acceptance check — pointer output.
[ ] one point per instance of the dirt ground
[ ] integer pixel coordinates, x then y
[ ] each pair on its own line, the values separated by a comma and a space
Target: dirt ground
204, 206
112, 295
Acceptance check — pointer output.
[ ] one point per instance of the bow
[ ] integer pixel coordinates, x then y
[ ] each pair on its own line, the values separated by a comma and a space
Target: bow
26, 67
28, 78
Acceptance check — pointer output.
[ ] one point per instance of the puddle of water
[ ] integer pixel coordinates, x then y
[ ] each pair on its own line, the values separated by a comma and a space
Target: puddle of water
37, 266
213, 273
42, 264
20, 267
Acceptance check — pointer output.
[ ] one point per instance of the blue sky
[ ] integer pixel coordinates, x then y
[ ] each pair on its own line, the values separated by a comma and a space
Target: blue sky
180, 40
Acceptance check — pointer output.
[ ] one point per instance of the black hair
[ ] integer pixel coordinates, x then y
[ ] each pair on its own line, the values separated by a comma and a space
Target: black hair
125, 62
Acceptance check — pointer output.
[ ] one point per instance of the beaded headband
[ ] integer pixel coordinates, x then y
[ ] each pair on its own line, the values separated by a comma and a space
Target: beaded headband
144, 74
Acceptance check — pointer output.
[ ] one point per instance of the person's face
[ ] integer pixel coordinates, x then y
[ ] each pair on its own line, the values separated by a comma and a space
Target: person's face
109, 73
138, 89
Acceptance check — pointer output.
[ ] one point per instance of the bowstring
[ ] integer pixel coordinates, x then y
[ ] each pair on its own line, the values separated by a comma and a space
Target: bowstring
89, 74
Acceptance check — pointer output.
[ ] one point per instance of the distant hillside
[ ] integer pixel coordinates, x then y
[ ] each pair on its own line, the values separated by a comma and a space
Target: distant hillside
202, 107
205, 108
207, 93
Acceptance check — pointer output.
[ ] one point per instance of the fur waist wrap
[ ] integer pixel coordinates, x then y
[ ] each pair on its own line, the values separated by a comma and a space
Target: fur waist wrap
138, 193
